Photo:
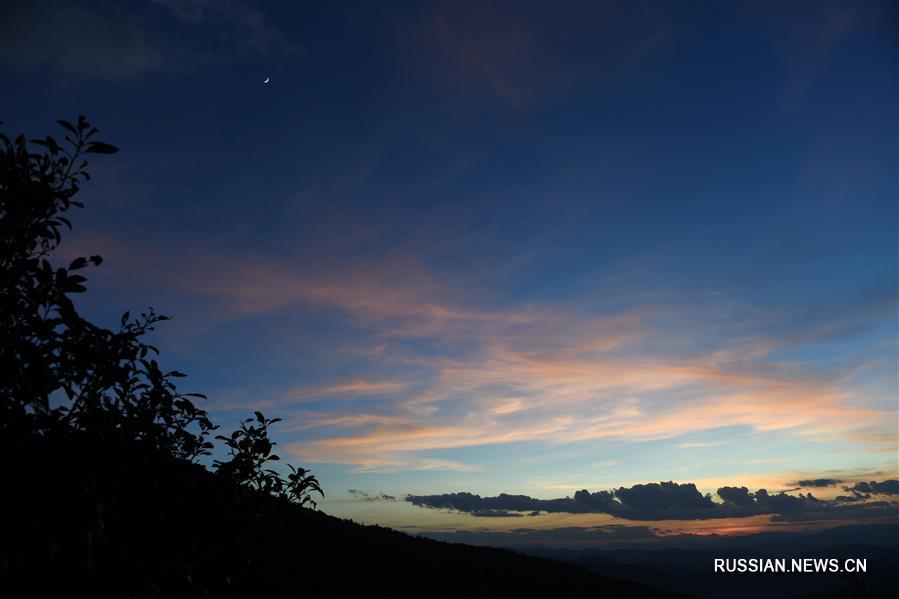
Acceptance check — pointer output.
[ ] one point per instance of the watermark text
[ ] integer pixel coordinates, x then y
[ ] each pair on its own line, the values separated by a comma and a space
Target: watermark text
798, 565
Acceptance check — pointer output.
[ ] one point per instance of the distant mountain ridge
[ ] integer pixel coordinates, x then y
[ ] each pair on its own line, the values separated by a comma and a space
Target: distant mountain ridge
689, 567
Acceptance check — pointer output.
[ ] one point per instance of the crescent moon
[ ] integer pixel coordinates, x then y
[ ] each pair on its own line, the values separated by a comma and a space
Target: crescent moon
266, 80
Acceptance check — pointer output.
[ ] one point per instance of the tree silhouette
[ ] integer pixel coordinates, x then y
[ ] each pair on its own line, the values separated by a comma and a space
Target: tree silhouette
101, 449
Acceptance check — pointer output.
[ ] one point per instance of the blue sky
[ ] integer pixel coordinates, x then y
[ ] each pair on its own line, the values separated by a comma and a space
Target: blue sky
524, 248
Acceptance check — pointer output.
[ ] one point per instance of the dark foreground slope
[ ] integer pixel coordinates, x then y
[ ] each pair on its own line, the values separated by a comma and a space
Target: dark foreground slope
100, 516
381, 562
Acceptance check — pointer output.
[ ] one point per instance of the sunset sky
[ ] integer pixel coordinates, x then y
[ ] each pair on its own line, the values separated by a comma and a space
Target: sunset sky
522, 248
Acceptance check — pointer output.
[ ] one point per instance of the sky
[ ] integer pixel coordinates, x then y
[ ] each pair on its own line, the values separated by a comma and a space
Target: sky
500, 249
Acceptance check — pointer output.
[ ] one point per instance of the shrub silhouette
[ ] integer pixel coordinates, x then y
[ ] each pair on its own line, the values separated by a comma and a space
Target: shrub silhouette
250, 448
99, 450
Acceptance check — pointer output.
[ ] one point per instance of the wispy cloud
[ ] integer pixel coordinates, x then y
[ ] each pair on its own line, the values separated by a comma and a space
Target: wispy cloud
91, 41
358, 386
509, 52
696, 445
76, 39
550, 373
622, 399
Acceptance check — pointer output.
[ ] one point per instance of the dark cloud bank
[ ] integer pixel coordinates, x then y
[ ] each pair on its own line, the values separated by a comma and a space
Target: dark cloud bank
364, 496
674, 501
818, 482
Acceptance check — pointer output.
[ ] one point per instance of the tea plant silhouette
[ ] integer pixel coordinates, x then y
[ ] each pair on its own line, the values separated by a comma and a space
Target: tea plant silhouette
100, 451
250, 448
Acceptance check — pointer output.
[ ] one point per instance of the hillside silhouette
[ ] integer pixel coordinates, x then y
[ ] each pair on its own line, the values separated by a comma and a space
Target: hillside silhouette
111, 486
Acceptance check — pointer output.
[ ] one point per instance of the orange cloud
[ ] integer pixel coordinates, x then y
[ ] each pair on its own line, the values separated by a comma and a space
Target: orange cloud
357, 386
564, 402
